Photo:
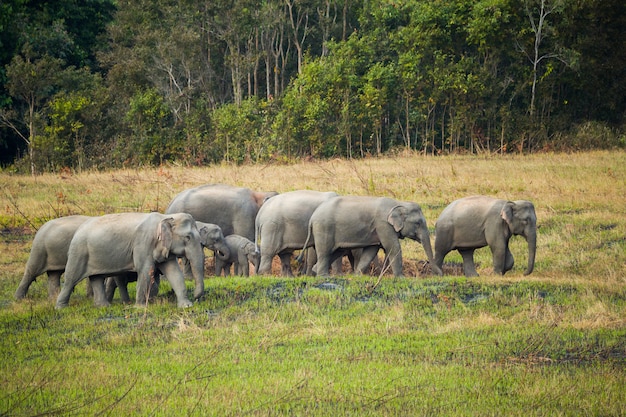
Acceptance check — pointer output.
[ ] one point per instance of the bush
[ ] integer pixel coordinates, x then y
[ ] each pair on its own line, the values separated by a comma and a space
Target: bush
590, 135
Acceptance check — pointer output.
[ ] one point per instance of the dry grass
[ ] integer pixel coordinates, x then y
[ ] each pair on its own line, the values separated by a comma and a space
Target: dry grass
577, 197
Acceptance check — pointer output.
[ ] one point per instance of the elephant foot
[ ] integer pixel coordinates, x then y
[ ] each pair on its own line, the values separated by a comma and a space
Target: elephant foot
103, 304
59, 306
185, 304
436, 269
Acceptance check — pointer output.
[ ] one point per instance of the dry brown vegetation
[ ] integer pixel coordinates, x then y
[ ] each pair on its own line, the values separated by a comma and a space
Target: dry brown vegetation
574, 194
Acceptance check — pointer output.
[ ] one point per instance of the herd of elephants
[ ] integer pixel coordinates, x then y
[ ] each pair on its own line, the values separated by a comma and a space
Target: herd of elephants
244, 227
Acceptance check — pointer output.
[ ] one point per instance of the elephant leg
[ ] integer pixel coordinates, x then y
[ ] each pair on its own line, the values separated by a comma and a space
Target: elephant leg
322, 266
353, 259
22, 289
285, 264
367, 257
155, 283
109, 288
395, 260
311, 260
99, 297
54, 284
337, 266
265, 265
509, 261
145, 284
64, 296
469, 269
440, 254
121, 281
174, 275
89, 290
499, 255
244, 267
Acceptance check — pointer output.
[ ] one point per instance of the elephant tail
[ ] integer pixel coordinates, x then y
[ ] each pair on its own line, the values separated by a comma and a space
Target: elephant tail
300, 256
257, 235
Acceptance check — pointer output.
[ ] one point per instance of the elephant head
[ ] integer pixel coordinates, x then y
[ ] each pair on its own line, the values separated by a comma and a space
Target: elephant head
521, 220
178, 235
254, 257
212, 238
408, 220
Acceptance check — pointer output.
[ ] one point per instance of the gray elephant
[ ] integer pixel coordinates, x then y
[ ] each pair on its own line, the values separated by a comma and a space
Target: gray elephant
233, 209
475, 222
242, 254
49, 253
211, 237
282, 225
139, 242
371, 223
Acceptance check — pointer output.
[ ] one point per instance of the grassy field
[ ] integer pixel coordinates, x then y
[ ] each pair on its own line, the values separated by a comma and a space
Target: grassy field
552, 343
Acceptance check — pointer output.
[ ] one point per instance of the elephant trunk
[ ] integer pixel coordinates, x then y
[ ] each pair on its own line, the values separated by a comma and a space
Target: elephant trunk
196, 261
222, 252
531, 238
425, 239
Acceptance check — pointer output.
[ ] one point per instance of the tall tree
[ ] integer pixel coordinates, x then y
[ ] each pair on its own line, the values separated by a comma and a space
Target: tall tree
31, 83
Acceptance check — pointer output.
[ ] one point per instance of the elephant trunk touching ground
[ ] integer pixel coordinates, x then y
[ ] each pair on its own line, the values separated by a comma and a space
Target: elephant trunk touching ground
424, 238
531, 238
195, 255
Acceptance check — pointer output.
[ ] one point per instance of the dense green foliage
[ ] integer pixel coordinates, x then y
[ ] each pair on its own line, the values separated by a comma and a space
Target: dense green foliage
104, 83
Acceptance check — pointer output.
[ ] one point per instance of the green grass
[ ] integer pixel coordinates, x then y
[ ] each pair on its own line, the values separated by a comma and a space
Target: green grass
313, 346
552, 343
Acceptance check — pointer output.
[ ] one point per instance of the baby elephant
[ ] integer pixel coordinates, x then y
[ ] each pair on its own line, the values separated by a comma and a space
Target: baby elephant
242, 253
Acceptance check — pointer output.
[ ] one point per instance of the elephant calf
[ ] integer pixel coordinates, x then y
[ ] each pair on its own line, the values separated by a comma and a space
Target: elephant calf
242, 253
475, 222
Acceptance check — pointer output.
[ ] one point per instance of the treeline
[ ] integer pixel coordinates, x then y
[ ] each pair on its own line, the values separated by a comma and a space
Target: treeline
105, 83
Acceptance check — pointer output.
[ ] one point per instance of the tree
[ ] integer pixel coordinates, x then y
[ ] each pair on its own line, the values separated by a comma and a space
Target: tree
30, 83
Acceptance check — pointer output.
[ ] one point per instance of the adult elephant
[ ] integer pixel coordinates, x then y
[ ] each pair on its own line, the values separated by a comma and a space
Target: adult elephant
233, 209
350, 222
49, 253
475, 222
282, 225
211, 237
140, 242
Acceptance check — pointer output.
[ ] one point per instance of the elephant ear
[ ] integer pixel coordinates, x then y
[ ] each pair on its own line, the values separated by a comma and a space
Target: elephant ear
396, 217
250, 248
165, 236
508, 217
204, 235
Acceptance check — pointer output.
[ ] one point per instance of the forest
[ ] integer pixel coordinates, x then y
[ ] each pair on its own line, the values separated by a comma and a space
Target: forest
102, 84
